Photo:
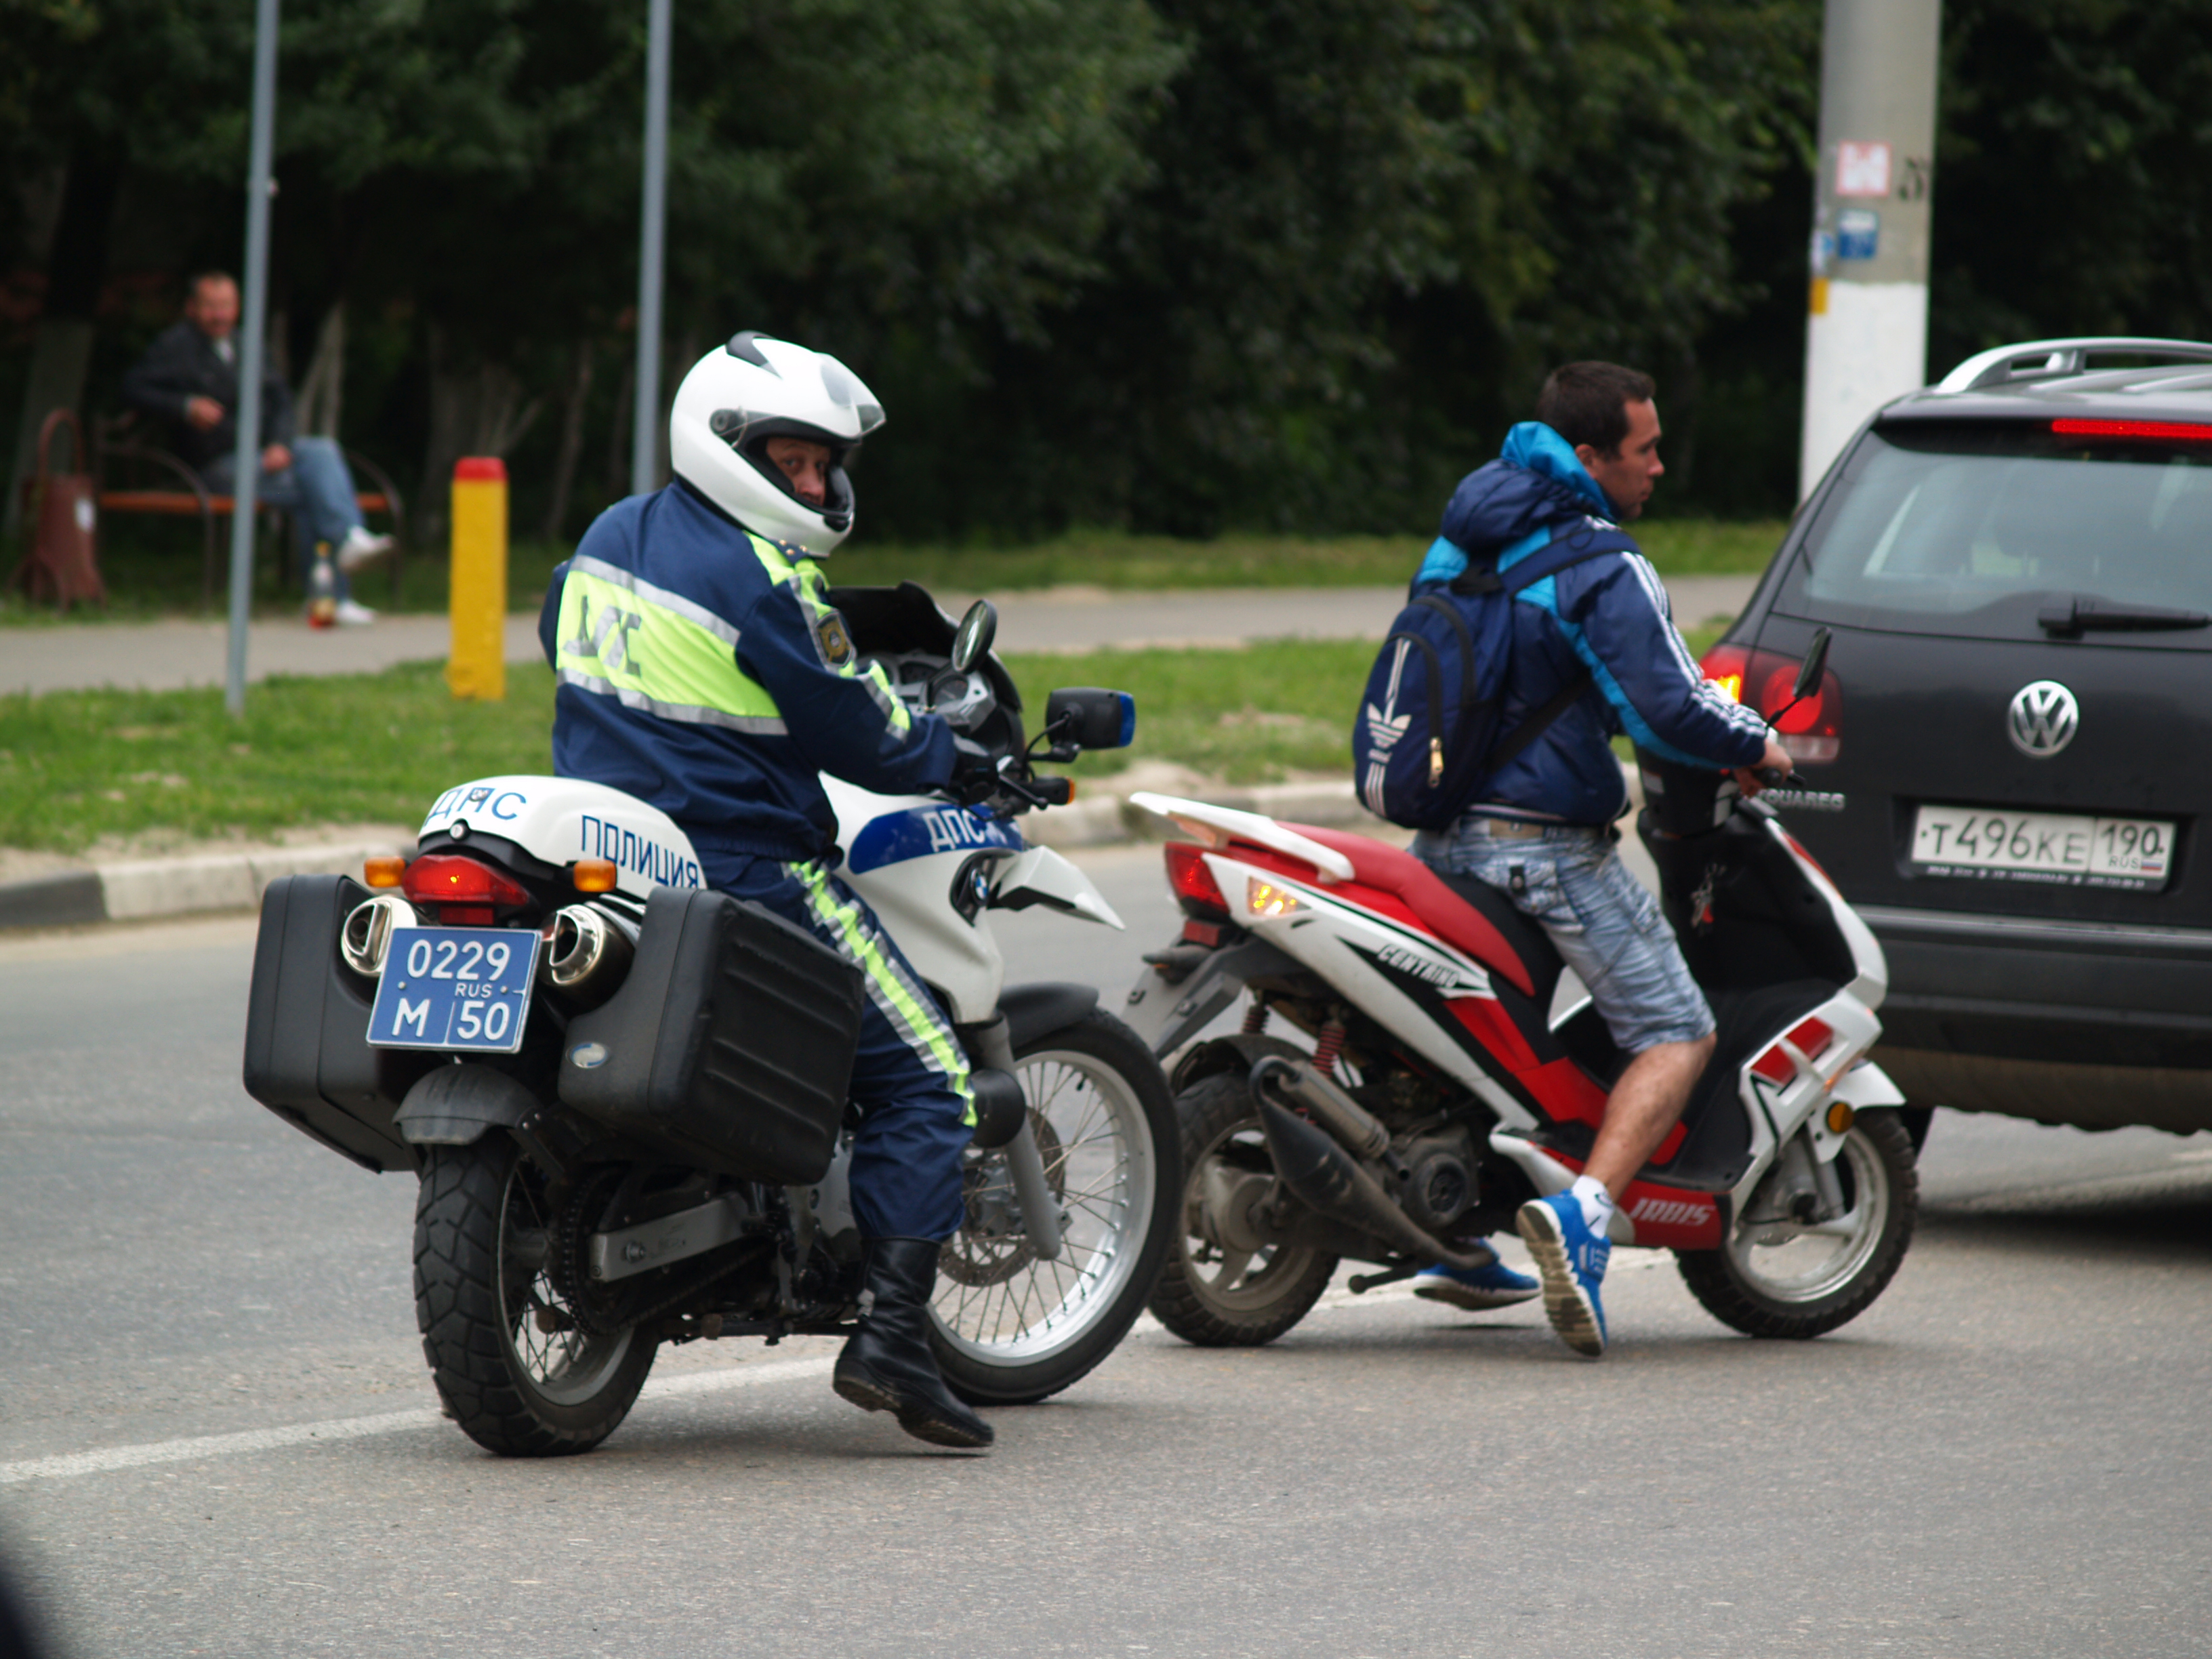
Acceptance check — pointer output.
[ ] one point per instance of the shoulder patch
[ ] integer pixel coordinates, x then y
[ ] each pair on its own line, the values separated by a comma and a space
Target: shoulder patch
836, 643
789, 549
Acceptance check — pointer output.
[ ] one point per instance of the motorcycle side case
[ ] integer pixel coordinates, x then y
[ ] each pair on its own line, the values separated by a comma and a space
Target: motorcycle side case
729, 1044
307, 1055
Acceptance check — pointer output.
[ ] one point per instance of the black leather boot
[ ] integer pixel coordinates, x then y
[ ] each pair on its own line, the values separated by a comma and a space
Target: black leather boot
887, 1366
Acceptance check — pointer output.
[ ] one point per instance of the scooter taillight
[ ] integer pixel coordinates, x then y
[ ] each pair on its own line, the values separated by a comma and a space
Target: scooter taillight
1196, 888
1811, 731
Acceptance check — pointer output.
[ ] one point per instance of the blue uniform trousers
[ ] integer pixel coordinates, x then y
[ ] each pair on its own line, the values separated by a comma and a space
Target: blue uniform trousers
909, 1076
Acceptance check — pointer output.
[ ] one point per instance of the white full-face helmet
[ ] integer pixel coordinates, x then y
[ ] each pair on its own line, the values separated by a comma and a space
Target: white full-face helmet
740, 395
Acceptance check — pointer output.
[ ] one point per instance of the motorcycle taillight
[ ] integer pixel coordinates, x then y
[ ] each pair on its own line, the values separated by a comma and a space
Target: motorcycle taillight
1812, 731
1195, 890
465, 891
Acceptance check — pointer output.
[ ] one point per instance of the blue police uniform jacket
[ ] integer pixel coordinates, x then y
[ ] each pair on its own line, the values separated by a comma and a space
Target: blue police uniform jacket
1608, 614
702, 667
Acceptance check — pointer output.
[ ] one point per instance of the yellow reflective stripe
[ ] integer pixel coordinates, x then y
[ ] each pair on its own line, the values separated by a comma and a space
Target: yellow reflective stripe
901, 1001
811, 588
654, 650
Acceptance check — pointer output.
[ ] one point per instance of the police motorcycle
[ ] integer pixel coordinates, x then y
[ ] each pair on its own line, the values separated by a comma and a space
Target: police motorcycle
624, 1094
1451, 1067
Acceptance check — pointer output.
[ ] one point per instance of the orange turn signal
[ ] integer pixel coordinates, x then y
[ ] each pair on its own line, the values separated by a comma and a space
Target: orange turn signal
385, 872
593, 875
1840, 1116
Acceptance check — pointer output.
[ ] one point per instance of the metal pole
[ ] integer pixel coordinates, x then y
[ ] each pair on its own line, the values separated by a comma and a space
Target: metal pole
244, 484
1866, 339
645, 431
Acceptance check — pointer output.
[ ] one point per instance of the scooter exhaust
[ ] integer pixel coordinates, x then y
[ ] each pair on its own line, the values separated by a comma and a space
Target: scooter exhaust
1323, 1176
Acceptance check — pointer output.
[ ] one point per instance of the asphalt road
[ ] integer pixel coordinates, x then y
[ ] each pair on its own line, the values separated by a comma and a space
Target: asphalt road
217, 1435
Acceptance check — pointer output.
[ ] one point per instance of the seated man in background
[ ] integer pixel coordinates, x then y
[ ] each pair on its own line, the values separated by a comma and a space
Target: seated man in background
188, 379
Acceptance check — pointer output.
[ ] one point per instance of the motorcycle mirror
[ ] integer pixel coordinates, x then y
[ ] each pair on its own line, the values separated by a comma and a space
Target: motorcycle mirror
1809, 671
977, 629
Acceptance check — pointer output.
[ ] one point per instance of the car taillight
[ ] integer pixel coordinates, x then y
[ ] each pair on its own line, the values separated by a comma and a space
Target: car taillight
2181, 432
1195, 890
465, 891
1811, 731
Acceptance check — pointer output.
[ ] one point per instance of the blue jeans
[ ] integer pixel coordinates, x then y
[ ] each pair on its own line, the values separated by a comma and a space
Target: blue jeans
316, 492
1603, 920
909, 1075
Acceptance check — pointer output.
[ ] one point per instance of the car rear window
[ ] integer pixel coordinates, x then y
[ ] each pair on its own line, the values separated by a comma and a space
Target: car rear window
1973, 529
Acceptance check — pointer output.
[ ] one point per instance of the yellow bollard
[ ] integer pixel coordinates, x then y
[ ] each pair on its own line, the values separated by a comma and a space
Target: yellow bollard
477, 667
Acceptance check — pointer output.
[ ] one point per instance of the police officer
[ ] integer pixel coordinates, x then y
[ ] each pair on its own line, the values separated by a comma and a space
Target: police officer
701, 668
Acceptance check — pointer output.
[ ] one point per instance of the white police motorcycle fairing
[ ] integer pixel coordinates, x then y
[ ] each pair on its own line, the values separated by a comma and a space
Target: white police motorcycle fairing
624, 1093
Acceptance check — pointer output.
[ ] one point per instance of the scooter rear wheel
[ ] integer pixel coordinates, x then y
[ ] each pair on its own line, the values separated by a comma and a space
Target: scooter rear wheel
1211, 1294
1818, 1281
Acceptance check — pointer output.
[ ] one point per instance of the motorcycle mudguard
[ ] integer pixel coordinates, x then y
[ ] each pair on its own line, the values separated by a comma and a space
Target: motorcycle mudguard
1034, 1011
1167, 1013
455, 1104
1037, 875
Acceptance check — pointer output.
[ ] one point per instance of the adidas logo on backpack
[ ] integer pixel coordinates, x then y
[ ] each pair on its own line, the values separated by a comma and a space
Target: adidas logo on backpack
1427, 739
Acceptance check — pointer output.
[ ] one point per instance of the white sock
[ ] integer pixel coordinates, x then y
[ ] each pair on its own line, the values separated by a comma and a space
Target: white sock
1597, 1202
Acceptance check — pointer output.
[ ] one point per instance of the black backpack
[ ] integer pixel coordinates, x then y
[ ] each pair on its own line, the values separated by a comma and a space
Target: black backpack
1426, 739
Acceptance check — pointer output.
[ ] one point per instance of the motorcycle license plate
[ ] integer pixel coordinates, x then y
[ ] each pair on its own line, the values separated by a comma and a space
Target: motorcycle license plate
2062, 848
459, 988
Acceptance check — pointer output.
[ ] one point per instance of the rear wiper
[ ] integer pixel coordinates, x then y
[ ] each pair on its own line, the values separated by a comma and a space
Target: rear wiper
2076, 615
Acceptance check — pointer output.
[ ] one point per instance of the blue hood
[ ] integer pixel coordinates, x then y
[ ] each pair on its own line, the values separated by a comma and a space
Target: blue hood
1535, 482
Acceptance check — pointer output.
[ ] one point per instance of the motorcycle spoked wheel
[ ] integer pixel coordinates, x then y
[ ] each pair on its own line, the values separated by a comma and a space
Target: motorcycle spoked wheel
1009, 1328
1212, 1295
1817, 1281
518, 1371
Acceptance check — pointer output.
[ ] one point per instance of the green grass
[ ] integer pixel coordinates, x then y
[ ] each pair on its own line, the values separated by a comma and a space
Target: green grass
79, 767
152, 567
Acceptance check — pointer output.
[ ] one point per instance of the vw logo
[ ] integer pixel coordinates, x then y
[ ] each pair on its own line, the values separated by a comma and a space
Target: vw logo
2043, 719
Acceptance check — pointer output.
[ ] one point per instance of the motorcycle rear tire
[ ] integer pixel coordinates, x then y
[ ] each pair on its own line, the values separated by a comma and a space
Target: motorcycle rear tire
483, 1297
1213, 1304
1882, 1187
1010, 1330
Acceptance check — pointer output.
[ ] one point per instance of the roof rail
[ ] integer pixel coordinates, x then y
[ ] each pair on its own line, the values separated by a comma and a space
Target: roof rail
2041, 359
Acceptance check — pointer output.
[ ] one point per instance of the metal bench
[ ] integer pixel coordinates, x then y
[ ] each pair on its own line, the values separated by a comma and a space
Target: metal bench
116, 451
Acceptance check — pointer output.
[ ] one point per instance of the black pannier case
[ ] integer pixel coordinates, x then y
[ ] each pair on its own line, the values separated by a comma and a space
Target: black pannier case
730, 1044
307, 1055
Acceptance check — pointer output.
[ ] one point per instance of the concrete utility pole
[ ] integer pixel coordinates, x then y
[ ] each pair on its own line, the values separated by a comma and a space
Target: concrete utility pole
251, 343
1867, 338
645, 432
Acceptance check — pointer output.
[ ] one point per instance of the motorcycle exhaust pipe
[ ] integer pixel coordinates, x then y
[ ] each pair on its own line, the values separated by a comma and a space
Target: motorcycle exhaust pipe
1297, 1084
1322, 1175
588, 957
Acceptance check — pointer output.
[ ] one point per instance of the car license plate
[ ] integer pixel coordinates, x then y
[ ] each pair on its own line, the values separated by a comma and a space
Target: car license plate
2065, 849
463, 988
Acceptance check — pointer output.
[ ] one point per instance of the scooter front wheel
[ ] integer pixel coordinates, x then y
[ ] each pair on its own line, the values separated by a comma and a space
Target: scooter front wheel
1821, 1278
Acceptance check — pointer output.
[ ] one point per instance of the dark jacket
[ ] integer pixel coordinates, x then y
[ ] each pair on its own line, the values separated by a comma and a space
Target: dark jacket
182, 364
702, 669
1609, 615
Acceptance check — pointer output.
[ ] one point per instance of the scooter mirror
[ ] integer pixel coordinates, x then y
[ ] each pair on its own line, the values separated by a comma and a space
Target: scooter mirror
977, 629
1809, 671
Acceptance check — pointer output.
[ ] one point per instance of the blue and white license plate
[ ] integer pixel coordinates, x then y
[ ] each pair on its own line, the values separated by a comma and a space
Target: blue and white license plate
464, 989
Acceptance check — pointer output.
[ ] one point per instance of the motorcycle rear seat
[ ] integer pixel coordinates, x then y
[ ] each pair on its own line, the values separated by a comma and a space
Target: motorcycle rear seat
1467, 914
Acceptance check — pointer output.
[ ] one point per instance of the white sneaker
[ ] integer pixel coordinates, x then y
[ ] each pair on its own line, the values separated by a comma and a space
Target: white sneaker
360, 547
351, 614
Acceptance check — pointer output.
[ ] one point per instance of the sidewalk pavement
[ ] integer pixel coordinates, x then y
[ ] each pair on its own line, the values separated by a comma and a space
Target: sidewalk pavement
168, 655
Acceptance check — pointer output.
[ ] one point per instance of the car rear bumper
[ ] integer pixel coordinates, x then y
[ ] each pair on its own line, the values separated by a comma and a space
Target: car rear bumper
2076, 1022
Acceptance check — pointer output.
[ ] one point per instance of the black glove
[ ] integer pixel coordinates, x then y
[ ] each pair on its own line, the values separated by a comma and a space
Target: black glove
976, 772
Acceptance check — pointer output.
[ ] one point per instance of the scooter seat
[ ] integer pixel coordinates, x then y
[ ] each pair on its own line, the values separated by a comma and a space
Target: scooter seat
1455, 919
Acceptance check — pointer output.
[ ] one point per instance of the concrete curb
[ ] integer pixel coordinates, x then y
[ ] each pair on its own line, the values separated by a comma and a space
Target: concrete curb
147, 887
200, 883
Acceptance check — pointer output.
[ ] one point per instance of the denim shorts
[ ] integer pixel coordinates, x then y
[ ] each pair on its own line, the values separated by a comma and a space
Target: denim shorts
1603, 921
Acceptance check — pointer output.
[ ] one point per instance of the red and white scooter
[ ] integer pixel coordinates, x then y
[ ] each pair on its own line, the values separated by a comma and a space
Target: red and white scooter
1452, 1068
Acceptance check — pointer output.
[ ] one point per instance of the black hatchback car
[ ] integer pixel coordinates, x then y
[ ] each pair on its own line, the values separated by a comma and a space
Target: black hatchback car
2008, 765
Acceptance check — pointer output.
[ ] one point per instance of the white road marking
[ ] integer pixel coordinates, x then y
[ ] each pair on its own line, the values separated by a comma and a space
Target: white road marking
70, 1465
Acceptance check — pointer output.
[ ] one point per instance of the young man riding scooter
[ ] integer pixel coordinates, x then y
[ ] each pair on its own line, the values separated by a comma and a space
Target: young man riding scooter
702, 669
1541, 830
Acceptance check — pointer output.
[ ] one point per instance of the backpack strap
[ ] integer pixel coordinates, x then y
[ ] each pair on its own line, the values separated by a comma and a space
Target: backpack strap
1562, 551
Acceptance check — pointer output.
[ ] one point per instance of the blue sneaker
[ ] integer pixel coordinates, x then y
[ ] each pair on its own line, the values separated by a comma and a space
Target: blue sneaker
1475, 1289
1571, 1258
